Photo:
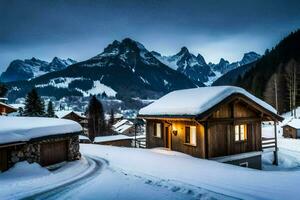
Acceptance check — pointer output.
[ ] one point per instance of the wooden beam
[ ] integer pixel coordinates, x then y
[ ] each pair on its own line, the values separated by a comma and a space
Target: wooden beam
276, 148
206, 139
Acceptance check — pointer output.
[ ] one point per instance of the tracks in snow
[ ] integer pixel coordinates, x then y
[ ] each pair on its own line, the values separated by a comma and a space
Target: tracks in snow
57, 191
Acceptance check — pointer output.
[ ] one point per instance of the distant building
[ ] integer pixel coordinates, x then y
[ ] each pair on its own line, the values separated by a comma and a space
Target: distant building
75, 116
115, 140
46, 141
218, 123
5, 109
292, 129
125, 127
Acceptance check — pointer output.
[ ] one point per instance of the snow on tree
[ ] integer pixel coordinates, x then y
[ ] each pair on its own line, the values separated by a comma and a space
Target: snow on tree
34, 105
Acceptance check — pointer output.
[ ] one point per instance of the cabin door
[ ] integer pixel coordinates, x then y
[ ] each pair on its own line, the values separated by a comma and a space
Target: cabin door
167, 138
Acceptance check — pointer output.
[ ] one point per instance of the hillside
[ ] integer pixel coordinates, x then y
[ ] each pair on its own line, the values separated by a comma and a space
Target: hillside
282, 63
231, 77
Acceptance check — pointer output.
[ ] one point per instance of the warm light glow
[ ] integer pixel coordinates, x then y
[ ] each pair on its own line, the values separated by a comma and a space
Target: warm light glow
237, 133
193, 135
158, 130
240, 132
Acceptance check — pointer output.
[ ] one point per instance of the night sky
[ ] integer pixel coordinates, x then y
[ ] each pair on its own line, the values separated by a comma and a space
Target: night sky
81, 29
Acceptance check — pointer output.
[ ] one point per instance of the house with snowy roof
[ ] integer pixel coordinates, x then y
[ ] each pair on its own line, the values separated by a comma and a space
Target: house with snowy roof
78, 117
125, 127
291, 129
46, 141
5, 108
221, 123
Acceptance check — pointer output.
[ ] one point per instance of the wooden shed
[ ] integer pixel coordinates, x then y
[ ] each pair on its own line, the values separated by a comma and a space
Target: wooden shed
45, 141
220, 123
292, 129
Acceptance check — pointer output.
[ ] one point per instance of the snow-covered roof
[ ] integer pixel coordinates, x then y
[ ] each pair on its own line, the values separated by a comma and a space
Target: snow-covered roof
17, 105
196, 101
7, 105
22, 129
294, 123
122, 122
111, 138
123, 128
63, 113
83, 137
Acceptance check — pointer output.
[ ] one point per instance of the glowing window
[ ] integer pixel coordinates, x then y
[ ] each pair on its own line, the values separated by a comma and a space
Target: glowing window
191, 135
240, 132
158, 130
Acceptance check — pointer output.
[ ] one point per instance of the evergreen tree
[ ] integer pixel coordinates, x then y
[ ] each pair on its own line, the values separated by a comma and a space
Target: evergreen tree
112, 117
34, 105
3, 90
21, 111
50, 111
96, 121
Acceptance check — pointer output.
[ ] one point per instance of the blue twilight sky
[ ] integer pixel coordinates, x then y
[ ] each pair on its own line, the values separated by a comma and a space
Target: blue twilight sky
80, 29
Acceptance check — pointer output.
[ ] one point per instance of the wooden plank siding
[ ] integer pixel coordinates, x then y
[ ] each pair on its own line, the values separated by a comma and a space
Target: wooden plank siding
220, 130
3, 159
289, 132
53, 152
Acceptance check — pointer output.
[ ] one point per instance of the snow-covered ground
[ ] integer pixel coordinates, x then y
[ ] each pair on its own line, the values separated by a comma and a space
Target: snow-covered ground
129, 173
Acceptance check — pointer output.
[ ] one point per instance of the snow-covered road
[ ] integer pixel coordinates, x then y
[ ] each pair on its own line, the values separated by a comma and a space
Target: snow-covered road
58, 190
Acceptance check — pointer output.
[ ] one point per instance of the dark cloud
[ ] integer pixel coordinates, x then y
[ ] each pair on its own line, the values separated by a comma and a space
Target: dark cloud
81, 29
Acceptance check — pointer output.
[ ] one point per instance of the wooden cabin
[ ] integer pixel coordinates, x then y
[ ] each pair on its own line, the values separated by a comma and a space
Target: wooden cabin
74, 116
46, 141
5, 109
221, 123
292, 129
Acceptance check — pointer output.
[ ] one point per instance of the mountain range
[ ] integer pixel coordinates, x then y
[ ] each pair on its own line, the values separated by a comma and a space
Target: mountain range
31, 68
125, 69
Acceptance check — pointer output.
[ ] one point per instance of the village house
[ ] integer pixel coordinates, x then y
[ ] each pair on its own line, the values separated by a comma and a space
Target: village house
75, 116
292, 129
46, 141
5, 108
125, 127
221, 123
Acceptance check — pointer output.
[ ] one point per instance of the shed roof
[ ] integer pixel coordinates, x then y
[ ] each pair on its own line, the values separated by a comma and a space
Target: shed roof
295, 123
22, 129
192, 102
109, 138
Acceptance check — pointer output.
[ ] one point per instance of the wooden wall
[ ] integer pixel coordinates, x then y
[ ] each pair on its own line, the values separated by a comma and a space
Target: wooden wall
289, 132
177, 141
53, 152
221, 136
3, 159
220, 131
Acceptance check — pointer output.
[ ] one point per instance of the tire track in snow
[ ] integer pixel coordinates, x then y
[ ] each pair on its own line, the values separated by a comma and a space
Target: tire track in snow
57, 191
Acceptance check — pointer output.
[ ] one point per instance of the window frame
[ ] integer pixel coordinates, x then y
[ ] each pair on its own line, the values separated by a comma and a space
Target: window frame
242, 133
188, 135
156, 128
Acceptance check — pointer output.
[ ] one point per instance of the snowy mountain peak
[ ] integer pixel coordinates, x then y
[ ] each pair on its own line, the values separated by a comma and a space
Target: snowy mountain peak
30, 68
224, 66
187, 63
249, 57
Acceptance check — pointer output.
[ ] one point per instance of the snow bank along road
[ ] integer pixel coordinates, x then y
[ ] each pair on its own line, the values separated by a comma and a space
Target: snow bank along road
56, 192
30, 181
